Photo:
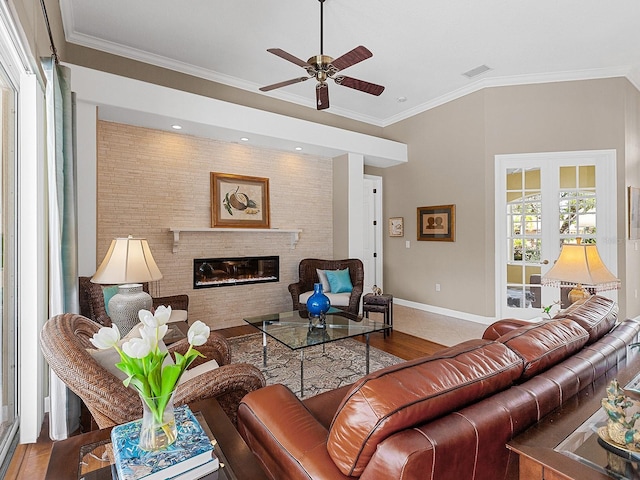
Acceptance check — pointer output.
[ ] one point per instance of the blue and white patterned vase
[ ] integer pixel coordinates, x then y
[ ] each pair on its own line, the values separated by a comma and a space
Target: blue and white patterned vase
318, 303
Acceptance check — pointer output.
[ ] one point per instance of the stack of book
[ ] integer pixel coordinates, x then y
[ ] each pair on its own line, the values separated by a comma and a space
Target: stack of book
190, 457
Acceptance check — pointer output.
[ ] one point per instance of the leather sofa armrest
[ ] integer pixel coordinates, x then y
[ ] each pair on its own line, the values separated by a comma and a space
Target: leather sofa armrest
499, 328
294, 448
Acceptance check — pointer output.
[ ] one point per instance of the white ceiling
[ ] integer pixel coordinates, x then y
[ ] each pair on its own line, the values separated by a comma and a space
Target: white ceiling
420, 47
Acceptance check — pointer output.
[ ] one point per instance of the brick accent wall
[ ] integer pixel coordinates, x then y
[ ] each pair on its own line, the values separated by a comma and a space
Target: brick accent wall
150, 180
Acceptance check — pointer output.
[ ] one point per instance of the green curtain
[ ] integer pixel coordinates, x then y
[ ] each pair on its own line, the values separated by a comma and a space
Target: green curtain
62, 226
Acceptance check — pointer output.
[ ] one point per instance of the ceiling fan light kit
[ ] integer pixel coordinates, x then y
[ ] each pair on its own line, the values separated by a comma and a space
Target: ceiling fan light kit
323, 67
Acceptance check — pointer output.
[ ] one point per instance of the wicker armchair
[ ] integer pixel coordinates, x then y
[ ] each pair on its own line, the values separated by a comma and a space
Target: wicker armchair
65, 339
92, 301
308, 276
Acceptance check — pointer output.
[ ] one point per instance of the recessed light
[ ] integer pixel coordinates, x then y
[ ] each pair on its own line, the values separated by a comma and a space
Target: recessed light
298, 148
176, 127
401, 99
244, 139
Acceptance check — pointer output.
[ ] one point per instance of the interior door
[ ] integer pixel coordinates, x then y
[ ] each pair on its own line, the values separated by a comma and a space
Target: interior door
372, 228
542, 201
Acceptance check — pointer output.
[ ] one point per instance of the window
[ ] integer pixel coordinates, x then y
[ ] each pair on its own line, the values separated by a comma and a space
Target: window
8, 316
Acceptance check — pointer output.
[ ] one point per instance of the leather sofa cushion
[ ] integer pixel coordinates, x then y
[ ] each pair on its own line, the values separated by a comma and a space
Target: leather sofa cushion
501, 327
545, 344
404, 395
596, 314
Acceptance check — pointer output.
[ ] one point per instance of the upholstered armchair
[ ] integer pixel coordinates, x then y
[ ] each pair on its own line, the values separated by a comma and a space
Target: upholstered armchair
308, 275
65, 344
92, 301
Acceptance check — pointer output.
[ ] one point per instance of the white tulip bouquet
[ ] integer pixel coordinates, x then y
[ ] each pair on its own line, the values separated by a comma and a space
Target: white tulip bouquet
142, 359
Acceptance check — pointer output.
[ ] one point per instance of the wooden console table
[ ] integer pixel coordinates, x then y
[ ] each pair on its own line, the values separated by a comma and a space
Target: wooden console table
540, 448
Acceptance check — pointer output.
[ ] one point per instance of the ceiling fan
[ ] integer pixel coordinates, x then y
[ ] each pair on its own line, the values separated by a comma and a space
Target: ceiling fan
322, 67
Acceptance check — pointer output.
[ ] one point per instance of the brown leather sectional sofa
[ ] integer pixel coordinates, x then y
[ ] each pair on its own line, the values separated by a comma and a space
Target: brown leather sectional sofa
446, 416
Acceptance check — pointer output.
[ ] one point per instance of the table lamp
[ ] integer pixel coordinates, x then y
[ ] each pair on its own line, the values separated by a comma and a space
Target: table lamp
580, 265
128, 263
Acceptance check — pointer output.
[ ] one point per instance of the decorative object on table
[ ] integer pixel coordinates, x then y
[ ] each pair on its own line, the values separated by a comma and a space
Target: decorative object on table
623, 412
128, 263
192, 450
547, 310
149, 370
317, 333
634, 213
396, 227
580, 265
239, 201
318, 303
376, 290
437, 223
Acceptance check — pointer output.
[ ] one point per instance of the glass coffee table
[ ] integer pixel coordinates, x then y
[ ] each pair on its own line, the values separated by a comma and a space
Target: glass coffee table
298, 331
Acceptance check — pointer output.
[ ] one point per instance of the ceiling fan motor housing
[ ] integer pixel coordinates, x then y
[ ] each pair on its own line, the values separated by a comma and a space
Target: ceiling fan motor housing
320, 65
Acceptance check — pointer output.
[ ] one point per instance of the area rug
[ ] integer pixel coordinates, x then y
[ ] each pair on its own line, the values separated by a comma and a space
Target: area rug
343, 362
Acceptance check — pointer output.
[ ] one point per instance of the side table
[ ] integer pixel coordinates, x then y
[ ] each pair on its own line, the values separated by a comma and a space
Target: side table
382, 303
68, 457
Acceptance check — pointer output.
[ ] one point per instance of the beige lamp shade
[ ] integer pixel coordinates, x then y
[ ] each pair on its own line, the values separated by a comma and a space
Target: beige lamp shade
580, 264
128, 260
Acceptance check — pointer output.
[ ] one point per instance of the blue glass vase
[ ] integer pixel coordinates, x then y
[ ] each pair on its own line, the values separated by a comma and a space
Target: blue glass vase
318, 303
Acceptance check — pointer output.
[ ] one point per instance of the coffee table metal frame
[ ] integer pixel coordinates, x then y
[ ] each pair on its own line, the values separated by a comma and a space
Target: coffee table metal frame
297, 331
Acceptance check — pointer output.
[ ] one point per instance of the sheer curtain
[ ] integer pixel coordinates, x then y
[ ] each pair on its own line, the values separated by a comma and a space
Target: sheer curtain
63, 270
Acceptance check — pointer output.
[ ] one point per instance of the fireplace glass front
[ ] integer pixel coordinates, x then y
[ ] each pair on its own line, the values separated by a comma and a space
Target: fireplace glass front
224, 272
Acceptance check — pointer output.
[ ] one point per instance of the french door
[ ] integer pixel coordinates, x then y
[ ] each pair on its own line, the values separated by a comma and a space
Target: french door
542, 201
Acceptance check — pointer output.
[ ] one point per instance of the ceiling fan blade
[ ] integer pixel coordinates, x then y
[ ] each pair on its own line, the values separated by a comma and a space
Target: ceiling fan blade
287, 56
356, 55
366, 87
322, 96
283, 84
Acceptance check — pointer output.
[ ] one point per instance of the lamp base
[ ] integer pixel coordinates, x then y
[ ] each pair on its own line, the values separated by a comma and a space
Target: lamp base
125, 305
577, 293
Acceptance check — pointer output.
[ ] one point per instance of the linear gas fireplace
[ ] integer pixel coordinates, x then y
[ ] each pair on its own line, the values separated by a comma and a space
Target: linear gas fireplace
224, 272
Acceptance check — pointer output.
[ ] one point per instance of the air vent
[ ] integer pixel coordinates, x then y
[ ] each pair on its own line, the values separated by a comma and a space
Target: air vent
476, 71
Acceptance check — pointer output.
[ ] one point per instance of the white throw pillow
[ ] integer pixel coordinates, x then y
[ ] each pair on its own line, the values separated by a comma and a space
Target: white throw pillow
322, 275
199, 370
108, 358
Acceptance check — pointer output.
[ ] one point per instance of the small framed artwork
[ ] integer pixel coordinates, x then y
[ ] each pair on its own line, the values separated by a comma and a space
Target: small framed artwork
396, 227
634, 213
239, 201
437, 223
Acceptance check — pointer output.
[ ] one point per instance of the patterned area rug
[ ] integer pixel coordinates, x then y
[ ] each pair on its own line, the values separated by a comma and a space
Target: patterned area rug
343, 362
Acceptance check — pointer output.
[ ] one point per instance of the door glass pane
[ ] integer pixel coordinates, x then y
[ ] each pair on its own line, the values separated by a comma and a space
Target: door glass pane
587, 176
568, 177
524, 217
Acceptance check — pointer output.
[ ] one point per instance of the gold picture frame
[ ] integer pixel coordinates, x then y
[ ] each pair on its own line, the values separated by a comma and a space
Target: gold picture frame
437, 224
396, 227
239, 201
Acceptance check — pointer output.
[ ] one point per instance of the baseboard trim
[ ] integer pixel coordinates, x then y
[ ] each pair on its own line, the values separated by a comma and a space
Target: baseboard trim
445, 311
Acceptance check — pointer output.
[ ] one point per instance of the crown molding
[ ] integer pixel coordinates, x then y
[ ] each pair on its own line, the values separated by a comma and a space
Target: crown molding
631, 73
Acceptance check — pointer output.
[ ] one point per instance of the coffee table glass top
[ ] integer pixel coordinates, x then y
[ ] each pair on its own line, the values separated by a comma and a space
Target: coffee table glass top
294, 329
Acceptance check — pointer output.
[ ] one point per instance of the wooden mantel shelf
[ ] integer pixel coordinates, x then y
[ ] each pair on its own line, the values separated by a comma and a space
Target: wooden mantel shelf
295, 233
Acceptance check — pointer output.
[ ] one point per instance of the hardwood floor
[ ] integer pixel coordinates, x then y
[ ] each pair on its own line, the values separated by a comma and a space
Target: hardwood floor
30, 461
